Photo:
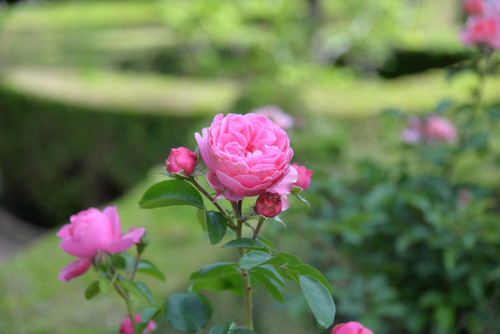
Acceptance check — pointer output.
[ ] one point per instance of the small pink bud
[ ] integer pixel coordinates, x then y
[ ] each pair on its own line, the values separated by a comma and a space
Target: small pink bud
268, 205
351, 327
305, 174
181, 159
126, 327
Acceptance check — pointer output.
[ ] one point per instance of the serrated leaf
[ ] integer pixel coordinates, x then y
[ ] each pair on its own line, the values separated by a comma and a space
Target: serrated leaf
253, 259
305, 269
271, 272
319, 299
134, 289
216, 226
222, 328
188, 312
149, 313
271, 285
211, 284
267, 242
104, 284
144, 288
92, 290
282, 259
147, 267
215, 269
246, 243
171, 192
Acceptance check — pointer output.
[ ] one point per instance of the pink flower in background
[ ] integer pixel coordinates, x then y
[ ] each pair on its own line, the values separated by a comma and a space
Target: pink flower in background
90, 232
473, 6
440, 129
275, 114
181, 160
304, 180
482, 27
246, 154
126, 327
431, 128
351, 327
414, 133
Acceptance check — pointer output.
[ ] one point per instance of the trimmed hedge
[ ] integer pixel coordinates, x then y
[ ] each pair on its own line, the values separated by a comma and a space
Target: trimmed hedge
57, 159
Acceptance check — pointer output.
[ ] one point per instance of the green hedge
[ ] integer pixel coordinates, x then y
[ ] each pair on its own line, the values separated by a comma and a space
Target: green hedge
57, 158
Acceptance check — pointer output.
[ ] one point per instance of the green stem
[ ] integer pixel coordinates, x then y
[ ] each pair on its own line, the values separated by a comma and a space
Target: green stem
257, 229
247, 288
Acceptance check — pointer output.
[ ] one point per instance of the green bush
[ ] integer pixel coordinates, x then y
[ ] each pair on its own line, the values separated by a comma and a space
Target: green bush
57, 159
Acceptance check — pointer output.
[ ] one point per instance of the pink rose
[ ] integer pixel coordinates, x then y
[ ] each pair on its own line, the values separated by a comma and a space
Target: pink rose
275, 114
350, 327
181, 160
89, 232
304, 180
473, 6
246, 154
482, 29
440, 129
126, 327
268, 205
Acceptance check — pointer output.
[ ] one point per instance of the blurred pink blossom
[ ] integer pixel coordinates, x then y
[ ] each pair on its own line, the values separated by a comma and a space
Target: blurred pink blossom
275, 114
126, 327
431, 128
482, 27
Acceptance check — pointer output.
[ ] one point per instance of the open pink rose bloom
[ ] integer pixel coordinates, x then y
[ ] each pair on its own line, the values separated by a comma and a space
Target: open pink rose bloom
246, 155
92, 231
351, 327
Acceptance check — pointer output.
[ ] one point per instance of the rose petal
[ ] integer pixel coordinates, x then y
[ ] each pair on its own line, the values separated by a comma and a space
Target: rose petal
74, 269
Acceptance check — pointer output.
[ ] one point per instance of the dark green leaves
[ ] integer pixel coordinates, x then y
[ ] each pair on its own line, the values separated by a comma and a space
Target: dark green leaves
92, 290
246, 243
188, 312
216, 226
171, 192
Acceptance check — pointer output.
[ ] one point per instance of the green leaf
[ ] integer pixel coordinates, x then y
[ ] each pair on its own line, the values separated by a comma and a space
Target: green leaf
253, 259
319, 299
246, 243
143, 287
222, 328
134, 289
149, 268
201, 219
104, 284
271, 285
267, 242
212, 284
282, 259
149, 313
188, 312
270, 272
215, 269
305, 269
92, 290
171, 192
216, 226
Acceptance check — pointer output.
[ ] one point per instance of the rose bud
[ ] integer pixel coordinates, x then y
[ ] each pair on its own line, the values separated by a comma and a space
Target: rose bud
126, 327
181, 159
305, 174
268, 205
351, 327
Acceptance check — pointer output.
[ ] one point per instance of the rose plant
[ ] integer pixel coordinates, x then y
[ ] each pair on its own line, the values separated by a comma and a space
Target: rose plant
246, 163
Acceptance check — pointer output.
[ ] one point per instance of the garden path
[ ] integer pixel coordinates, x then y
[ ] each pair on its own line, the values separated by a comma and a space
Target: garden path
15, 234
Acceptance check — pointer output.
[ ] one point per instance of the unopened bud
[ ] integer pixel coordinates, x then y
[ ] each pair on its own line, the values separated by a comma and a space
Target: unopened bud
268, 205
181, 160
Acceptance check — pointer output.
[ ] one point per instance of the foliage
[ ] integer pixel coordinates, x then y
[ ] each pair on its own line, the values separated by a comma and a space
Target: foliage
412, 243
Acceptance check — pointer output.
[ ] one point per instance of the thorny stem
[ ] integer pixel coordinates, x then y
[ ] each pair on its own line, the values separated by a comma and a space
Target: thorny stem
247, 288
132, 276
